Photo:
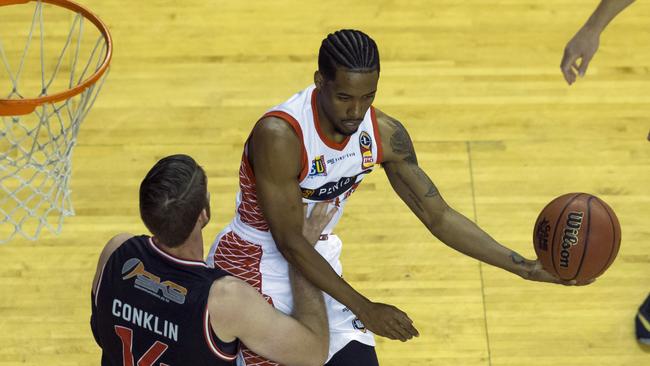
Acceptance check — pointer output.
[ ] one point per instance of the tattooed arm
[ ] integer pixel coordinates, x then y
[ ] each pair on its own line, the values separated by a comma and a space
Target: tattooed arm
417, 190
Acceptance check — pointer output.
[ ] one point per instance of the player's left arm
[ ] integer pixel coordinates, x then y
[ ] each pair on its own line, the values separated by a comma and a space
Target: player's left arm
109, 248
417, 190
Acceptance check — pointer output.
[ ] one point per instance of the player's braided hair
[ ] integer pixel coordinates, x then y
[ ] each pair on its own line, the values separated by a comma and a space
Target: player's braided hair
350, 49
172, 196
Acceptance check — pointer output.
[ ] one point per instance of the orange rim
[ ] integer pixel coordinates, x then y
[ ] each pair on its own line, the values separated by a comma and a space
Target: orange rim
15, 107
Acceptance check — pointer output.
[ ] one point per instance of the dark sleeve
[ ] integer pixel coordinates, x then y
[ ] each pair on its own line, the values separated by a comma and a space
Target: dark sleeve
93, 319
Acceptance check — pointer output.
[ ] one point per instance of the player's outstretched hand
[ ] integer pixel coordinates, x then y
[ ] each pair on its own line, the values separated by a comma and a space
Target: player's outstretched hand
582, 46
388, 321
316, 221
538, 273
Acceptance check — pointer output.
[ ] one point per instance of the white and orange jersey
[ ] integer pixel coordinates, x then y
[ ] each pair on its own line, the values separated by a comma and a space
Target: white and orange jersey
330, 171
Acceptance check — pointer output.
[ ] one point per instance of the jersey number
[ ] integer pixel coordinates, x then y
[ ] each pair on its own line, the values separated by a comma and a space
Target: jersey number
153, 353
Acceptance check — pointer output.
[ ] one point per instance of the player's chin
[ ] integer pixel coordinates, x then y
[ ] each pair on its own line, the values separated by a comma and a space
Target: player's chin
348, 129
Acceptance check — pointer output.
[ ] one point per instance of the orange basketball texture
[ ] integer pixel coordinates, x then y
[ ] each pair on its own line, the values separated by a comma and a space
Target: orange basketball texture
577, 237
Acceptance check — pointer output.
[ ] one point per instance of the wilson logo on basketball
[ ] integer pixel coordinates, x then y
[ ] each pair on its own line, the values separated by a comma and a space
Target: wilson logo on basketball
570, 238
542, 231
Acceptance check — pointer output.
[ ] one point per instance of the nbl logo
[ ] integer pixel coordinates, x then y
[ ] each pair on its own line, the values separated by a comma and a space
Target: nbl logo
365, 145
364, 140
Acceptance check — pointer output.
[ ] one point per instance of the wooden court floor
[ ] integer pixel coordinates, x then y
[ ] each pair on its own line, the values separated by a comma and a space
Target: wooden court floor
478, 85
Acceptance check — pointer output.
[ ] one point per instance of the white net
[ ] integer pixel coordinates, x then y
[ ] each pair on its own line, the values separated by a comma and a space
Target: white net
36, 149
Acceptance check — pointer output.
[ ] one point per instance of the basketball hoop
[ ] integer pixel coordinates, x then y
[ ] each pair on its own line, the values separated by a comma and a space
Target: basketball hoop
42, 109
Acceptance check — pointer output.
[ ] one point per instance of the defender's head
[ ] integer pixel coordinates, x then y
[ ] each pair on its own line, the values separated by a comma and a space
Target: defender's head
347, 76
174, 199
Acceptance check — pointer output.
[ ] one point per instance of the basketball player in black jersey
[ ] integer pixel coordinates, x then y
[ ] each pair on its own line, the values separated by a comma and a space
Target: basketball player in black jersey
155, 302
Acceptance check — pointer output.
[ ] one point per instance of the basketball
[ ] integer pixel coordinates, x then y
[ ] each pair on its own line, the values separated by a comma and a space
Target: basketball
576, 237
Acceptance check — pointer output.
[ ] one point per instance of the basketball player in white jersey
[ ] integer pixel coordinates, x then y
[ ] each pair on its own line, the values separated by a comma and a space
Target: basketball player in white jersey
317, 147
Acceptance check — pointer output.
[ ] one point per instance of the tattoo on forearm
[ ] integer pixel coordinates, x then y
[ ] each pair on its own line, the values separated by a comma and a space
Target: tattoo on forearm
516, 258
401, 143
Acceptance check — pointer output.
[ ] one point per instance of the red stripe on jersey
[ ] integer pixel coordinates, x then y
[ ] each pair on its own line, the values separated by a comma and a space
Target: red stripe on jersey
249, 210
239, 258
375, 128
296, 127
187, 262
242, 259
212, 344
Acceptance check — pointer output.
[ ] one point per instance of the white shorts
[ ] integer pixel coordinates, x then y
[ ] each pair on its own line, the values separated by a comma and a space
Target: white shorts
252, 256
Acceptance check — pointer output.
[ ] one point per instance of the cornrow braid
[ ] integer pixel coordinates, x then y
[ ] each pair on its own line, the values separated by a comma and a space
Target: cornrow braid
350, 49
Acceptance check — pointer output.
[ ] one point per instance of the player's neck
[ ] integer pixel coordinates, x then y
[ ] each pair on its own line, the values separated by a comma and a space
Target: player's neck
326, 126
191, 249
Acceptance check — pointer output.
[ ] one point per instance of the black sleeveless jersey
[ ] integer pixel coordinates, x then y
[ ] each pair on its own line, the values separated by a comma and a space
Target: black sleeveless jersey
150, 308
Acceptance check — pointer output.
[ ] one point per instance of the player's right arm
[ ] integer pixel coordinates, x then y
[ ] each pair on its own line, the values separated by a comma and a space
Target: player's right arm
238, 311
275, 153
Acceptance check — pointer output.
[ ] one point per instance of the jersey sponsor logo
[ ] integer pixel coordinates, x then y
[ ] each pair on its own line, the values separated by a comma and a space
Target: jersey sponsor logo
331, 190
365, 144
341, 158
318, 167
148, 282
367, 161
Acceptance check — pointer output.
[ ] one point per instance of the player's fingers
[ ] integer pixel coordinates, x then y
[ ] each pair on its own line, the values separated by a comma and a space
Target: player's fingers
569, 76
410, 328
584, 64
544, 276
401, 332
553, 279
407, 324
331, 213
566, 60
585, 283
565, 66
320, 208
390, 333
304, 210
